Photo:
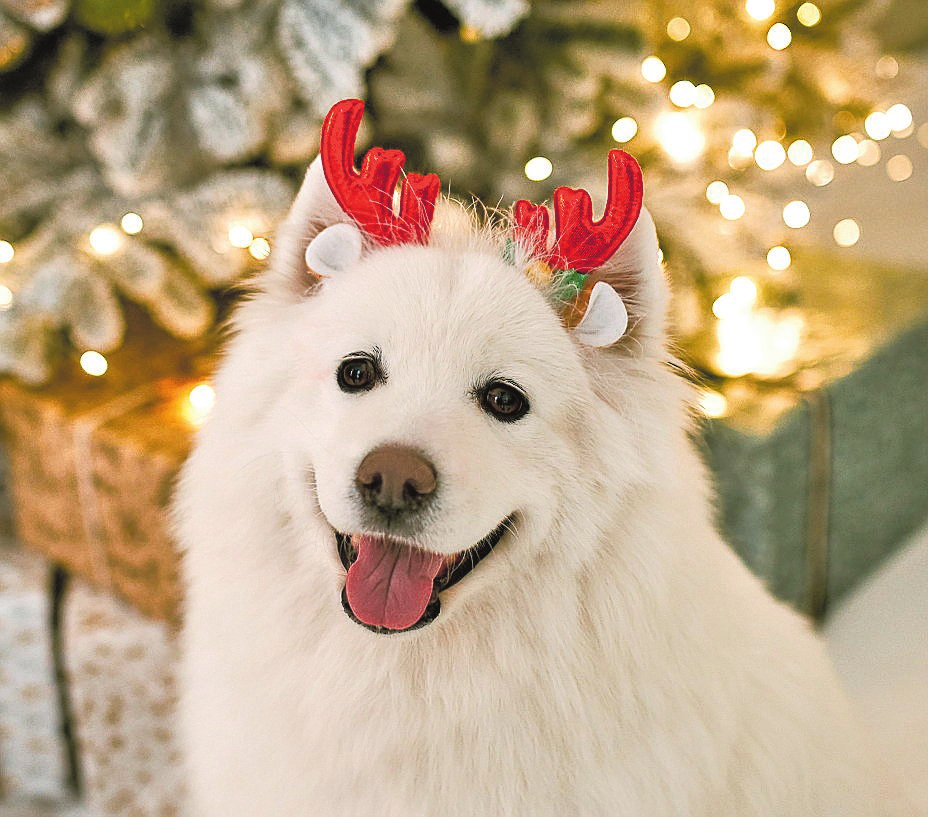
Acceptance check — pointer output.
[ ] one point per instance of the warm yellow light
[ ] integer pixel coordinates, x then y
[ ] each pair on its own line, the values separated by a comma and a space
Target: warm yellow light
538, 169
6, 252
683, 93
724, 307
899, 167
94, 363
679, 136
744, 141
678, 29
778, 258
869, 153
769, 155
820, 172
199, 404
624, 129
846, 232
744, 291
887, 67
713, 404
6, 297
809, 14
732, 207
260, 248
240, 236
716, 191
796, 214
760, 9
653, 70
800, 152
202, 397
762, 342
899, 117
704, 96
877, 125
131, 223
779, 36
845, 149
105, 239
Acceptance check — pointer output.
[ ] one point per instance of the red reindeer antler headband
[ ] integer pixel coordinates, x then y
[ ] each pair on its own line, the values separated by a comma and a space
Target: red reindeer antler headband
581, 245
368, 196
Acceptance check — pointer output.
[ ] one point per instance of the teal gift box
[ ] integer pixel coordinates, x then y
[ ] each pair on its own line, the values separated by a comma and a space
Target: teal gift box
822, 469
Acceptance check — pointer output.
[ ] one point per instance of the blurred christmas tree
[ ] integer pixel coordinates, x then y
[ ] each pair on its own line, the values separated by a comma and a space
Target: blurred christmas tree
149, 146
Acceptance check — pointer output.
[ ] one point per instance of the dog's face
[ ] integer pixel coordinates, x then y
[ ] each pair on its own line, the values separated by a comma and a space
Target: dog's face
439, 420
445, 410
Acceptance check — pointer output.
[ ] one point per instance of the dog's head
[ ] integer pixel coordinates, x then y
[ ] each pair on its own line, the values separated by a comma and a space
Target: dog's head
448, 424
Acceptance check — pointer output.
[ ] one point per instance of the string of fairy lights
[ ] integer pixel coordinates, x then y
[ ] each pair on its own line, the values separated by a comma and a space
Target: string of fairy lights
752, 339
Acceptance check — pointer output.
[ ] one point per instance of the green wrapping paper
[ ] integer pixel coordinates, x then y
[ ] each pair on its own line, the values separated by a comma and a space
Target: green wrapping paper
822, 473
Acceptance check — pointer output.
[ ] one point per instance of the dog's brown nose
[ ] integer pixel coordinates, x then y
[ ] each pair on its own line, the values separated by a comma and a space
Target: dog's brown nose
395, 479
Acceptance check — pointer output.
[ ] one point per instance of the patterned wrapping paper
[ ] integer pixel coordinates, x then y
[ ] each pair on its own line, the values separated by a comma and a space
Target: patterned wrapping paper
33, 756
92, 467
822, 474
120, 669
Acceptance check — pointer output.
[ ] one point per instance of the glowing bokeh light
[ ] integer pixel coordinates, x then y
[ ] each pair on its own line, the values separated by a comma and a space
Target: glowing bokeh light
845, 149
680, 136
800, 152
796, 214
809, 14
769, 155
678, 29
899, 167
105, 239
846, 232
779, 258
131, 223
624, 129
716, 191
732, 207
760, 9
653, 70
94, 364
779, 36
820, 172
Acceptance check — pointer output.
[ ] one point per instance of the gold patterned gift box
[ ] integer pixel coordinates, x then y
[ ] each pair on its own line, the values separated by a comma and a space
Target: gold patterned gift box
92, 464
33, 755
121, 684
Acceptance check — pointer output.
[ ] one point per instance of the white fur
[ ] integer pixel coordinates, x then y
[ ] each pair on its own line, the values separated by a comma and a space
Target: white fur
610, 657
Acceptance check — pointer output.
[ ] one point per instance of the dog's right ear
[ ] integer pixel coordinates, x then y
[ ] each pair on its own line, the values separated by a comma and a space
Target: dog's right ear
314, 210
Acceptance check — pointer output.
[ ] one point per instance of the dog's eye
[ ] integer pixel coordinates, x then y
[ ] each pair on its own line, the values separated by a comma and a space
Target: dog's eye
504, 402
357, 374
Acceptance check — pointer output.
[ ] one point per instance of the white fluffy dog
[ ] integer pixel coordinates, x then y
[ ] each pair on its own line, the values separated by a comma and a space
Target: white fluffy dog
414, 410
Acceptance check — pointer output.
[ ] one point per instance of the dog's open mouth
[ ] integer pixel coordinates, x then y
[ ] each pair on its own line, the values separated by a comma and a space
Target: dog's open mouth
393, 587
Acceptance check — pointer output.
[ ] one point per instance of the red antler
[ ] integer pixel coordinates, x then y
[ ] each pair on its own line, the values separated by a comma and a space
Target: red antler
582, 244
368, 196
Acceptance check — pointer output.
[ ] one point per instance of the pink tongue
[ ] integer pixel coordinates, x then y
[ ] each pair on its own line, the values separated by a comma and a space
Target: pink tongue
390, 584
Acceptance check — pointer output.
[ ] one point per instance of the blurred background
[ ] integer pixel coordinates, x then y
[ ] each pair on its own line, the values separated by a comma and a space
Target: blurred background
148, 148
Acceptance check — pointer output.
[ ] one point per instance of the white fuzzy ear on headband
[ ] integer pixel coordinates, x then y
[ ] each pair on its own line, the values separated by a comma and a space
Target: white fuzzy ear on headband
335, 249
605, 319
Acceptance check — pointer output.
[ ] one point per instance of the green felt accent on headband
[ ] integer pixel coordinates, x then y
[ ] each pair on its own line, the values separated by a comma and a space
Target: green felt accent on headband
567, 284
509, 251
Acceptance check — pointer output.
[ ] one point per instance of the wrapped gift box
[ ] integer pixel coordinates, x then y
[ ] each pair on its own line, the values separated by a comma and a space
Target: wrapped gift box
120, 668
33, 756
823, 471
93, 463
